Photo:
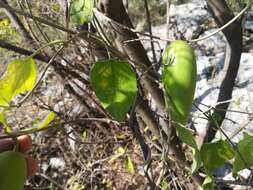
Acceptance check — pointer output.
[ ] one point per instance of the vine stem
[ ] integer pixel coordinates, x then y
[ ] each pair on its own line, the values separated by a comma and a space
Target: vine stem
46, 45
224, 26
28, 131
3, 5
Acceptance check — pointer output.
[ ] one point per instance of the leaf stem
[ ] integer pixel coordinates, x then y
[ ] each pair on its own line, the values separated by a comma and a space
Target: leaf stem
46, 45
224, 26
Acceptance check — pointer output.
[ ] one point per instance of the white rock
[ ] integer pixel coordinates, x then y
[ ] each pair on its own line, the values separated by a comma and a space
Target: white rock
57, 163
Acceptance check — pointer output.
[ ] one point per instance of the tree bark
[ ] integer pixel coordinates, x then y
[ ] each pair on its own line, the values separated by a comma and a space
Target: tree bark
222, 14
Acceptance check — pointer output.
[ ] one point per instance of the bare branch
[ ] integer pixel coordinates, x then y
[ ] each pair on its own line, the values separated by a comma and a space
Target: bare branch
233, 33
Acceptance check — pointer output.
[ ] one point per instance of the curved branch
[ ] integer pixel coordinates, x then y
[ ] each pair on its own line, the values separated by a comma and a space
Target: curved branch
233, 33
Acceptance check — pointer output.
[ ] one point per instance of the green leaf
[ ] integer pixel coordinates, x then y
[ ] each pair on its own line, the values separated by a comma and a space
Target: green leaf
165, 185
19, 77
179, 75
73, 184
115, 85
3, 119
4, 123
119, 152
216, 154
196, 162
129, 164
208, 183
81, 11
245, 149
50, 117
8, 32
186, 136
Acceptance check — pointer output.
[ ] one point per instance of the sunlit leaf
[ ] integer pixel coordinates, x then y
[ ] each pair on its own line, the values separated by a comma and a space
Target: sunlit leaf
129, 164
19, 77
8, 32
121, 136
154, 138
119, 152
165, 185
208, 183
73, 184
49, 118
3, 122
81, 11
244, 155
85, 136
115, 85
216, 154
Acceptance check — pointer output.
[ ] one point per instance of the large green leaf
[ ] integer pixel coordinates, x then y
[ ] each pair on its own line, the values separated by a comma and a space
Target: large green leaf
188, 138
19, 77
115, 85
179, 75
244, 155
216, 154
81, 11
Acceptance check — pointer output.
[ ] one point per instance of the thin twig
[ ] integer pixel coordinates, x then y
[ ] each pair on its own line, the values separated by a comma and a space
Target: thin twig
234, 182
243, 126
145, 148
150, 30
3, 5
32, 130
229, 110
40, 79
168, 3
224, 26
52, 181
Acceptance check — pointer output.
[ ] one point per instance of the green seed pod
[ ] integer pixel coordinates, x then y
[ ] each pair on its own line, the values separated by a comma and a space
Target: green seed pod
13, 170
179, 79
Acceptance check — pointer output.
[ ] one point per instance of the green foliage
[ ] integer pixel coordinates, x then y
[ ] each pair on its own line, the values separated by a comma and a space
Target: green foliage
215, 155
244, 155
115, 85
187, 137
118, 153
50, 117
4, 123
13, 171
129, 164
81, 11
157, 12
237, 5
8, 32
73, 184
20, 77
164, 185
208, 183
179, 79
3, 119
